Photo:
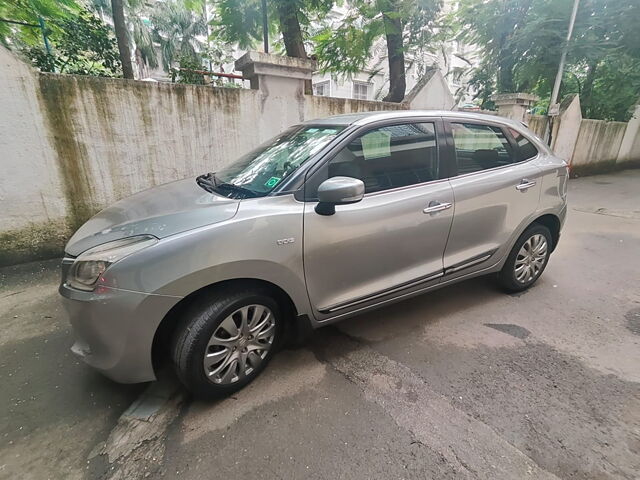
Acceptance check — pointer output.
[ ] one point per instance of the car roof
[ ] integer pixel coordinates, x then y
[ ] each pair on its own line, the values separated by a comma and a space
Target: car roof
363, 118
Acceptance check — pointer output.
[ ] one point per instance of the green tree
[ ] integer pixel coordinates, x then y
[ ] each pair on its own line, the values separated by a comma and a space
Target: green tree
407, 26
139, 29
30, 12
240, 21
83, 45
178, 30
520, 43
122, 37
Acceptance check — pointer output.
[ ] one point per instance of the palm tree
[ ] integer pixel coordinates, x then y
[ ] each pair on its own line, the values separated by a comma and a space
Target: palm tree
141, 30
176, 29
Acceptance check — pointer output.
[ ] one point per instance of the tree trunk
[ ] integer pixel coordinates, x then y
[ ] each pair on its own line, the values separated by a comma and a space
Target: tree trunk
122, 36
395, 53
587, 89
505, 77
290, 27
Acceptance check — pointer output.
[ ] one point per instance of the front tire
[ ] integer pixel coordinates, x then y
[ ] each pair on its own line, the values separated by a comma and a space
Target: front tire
225, 343
527, 260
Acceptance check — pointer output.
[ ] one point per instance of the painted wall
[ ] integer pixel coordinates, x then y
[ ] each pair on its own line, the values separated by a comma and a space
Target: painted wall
630, 147
71, 145
566, 127
597, 141
537, 124
591, 146
431, 93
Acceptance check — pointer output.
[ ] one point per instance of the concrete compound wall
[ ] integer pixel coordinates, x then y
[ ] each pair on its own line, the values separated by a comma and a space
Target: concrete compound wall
537, 124
592, 146
70, 145
630, 146
431, 93
597, 142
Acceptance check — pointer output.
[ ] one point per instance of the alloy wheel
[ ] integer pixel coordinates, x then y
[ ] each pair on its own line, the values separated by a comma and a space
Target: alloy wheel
239, 344
531, 258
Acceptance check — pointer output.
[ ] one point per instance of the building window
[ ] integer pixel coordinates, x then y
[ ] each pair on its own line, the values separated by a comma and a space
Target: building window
321, 89
361, 90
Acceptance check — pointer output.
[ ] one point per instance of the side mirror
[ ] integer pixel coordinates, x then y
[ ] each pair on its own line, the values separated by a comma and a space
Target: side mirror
338, 191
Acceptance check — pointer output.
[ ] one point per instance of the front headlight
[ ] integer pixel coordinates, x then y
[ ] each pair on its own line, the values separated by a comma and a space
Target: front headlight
90, 265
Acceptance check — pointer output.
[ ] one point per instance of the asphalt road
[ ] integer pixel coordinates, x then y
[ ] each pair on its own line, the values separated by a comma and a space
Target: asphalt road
464, 382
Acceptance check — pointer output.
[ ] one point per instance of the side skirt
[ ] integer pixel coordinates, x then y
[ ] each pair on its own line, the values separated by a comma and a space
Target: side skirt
445, 280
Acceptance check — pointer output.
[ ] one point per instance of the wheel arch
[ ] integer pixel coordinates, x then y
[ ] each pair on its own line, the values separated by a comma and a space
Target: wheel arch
552, 222
171, 321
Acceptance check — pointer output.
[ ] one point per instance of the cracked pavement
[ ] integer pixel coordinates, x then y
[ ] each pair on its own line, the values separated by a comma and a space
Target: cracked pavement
464, 382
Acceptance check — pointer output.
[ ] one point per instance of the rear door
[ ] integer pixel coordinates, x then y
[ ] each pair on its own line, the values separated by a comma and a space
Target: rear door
495, 191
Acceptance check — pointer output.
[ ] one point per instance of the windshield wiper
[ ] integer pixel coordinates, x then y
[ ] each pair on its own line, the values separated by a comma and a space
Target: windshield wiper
210, 183
237, 188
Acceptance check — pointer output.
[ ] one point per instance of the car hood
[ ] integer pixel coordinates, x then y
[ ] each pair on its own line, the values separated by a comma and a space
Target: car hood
160, 211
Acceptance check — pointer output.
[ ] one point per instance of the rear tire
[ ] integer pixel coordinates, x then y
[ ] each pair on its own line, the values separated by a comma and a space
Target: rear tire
223, 344
527, 260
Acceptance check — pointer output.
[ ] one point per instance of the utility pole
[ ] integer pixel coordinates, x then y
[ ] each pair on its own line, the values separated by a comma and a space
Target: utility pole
554, 108
265, 27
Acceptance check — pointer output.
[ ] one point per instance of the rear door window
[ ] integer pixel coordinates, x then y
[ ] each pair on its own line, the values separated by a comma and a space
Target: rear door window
480, 147
527, 149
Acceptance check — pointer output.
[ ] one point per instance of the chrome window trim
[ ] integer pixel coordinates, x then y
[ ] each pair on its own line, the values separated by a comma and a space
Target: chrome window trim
493, 169
406, 187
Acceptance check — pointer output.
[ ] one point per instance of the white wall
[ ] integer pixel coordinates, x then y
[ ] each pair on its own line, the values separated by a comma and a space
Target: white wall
70, 145
431, 93
597, 142
630, 146
566, 128
29, 182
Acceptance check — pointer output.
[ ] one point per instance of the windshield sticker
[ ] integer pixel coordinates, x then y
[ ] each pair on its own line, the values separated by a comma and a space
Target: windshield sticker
272, 182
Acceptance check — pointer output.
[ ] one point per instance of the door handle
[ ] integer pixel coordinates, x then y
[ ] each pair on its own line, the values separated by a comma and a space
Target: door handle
525, 184
436, 206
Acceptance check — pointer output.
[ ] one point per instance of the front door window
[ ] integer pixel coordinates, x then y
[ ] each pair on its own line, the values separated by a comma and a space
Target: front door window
389, 157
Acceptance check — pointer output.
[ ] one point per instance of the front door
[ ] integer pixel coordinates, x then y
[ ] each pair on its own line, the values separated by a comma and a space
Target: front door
393, 240
496, 190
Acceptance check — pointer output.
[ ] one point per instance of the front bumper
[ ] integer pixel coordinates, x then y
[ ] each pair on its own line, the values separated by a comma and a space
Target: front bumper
115, 329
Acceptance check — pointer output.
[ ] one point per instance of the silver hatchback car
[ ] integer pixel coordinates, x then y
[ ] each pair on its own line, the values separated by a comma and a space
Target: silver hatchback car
329, 219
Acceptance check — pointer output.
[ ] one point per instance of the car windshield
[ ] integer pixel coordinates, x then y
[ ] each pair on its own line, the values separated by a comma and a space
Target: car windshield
258, 172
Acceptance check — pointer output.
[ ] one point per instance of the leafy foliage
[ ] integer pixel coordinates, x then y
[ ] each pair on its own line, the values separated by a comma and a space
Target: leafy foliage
521, 41
187, 72
240, 21
83, 45
30, 11
177, 29
348, 46
408, 26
